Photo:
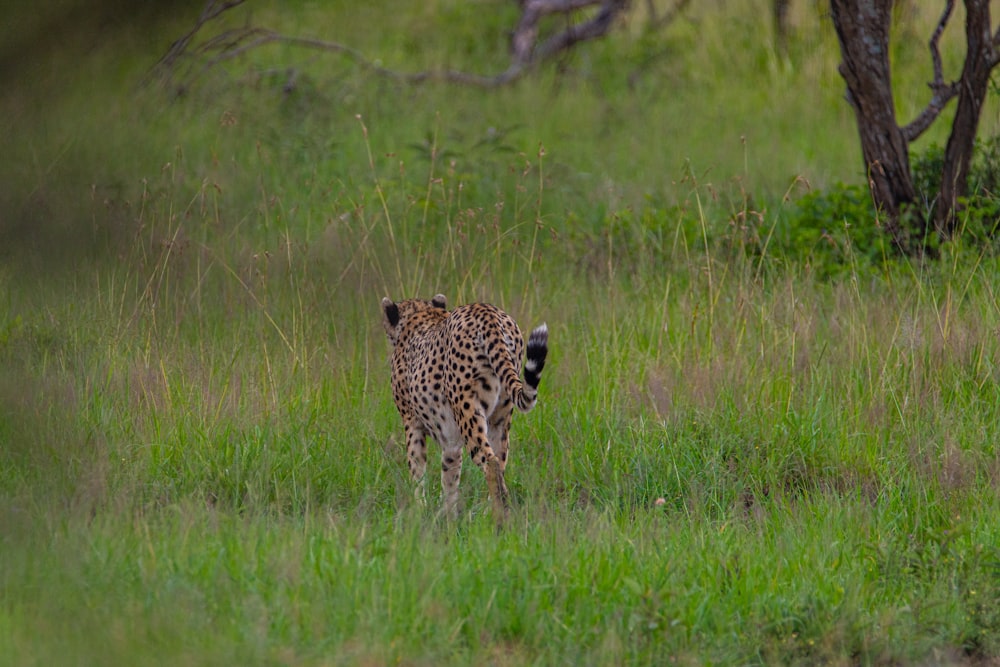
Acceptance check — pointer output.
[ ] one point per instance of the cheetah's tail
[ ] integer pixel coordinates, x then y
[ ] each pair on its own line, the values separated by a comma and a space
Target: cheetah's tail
537, 349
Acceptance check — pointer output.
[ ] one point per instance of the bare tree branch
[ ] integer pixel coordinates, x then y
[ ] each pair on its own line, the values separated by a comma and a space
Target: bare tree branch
942, 92
527, 53
232, 44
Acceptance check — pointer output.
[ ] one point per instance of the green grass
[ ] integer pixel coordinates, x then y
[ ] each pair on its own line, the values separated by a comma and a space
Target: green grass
735, 459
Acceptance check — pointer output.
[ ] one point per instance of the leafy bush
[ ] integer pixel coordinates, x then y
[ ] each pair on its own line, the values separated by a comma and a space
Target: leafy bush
831, 230
838, 228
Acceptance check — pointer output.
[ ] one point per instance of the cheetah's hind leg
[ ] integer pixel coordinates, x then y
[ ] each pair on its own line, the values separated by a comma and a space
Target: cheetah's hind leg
498, 490
451, 474
416, 458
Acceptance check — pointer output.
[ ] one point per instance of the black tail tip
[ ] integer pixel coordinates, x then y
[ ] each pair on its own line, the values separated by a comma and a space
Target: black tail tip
537, 350
539, 337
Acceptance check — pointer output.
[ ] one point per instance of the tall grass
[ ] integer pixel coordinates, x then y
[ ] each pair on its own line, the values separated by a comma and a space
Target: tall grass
744, 464
734, 459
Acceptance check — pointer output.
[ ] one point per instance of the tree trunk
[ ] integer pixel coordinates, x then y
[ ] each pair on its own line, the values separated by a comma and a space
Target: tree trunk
863, 32
979, 62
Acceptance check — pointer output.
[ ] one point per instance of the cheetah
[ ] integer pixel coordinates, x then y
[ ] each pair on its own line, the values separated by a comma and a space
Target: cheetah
455, 377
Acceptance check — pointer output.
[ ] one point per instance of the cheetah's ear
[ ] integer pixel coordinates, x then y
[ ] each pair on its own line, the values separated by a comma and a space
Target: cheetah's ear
391, 311
439, 302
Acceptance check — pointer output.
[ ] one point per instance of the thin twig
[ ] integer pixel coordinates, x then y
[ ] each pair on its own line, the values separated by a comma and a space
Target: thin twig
212, 10
935, 52
942, 92
669, 16
596, 27
525, 35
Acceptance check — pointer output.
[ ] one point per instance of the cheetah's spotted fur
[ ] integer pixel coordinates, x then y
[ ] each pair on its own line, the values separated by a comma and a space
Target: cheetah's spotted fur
455, 378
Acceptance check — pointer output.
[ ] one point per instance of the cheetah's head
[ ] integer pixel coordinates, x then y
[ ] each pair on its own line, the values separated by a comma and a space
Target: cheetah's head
396, 317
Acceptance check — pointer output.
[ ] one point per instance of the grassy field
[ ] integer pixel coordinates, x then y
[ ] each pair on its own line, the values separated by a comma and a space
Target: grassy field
735, 459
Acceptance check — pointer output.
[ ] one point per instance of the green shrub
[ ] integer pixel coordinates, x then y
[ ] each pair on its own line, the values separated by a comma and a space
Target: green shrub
838, 228
831, 230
